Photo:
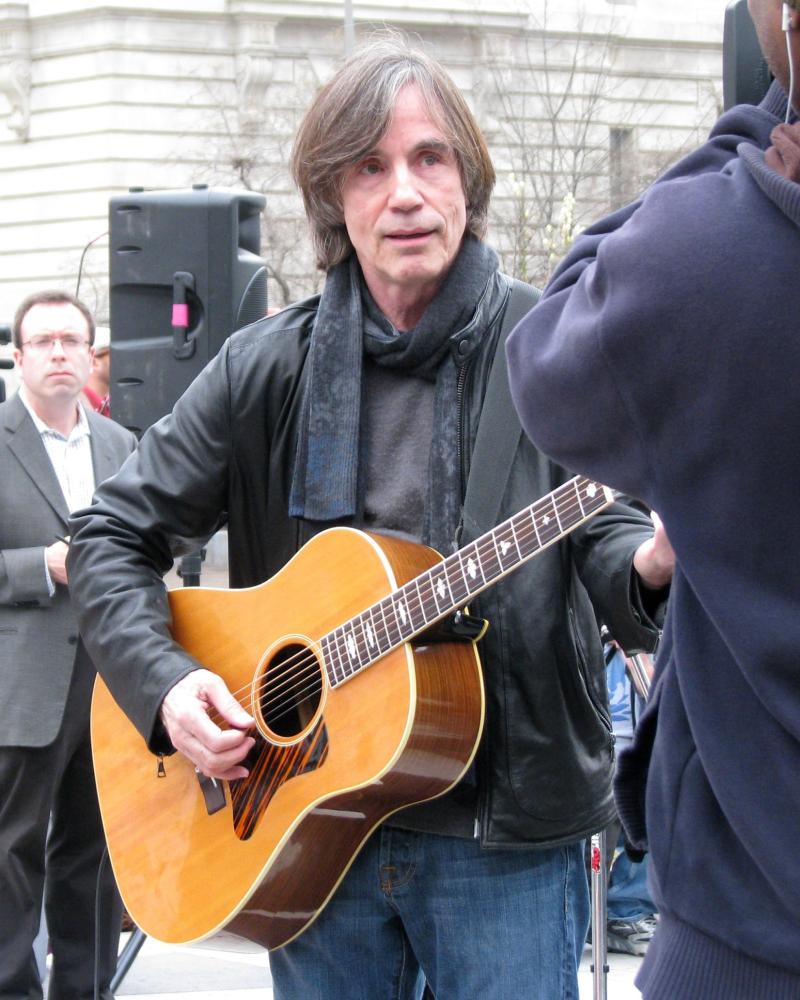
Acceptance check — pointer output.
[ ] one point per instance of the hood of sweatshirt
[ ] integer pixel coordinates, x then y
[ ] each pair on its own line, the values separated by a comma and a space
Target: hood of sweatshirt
777, 170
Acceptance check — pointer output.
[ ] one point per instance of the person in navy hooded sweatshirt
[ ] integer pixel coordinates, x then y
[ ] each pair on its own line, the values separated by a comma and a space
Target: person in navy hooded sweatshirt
663, 359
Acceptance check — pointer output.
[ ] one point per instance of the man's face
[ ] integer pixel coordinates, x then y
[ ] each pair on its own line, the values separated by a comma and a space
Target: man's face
101, 368
404, 205
766, 15
56, 371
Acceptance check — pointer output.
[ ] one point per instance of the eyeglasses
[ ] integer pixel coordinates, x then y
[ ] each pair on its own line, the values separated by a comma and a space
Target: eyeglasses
45, 341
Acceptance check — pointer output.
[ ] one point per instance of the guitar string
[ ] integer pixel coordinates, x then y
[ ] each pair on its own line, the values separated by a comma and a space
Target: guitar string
303, 667
306, 663
419, 602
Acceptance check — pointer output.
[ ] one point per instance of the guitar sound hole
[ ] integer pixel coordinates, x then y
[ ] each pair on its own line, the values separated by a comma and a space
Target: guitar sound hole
291, 691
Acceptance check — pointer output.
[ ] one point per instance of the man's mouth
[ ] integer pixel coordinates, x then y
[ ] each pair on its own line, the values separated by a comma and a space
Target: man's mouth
408, 236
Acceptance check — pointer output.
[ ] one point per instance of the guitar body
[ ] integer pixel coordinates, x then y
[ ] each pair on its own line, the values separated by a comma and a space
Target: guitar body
331, 762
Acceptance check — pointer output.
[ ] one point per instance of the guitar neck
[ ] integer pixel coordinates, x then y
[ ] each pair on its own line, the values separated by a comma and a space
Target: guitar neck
453, 582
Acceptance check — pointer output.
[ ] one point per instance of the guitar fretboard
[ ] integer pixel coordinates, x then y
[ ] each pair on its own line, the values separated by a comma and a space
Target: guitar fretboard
453, 582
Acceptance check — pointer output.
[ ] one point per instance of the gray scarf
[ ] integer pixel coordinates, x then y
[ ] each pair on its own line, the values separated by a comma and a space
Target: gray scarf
325, 486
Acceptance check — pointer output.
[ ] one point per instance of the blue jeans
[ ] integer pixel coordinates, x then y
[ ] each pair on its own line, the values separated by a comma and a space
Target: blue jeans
628, 895
485, 924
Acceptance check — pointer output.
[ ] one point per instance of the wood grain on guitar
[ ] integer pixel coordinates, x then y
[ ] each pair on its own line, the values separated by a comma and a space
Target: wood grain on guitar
359, 715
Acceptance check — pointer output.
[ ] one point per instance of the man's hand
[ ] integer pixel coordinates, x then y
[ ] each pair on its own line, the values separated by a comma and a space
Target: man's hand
654, 560
56, 556
185, 713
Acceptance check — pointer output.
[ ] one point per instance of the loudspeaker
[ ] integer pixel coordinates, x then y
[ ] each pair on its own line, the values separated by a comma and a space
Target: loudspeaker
185, 271
745, 74
5, 338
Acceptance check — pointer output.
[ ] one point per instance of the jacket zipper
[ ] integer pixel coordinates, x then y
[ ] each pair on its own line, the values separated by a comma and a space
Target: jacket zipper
460, 384
583, 670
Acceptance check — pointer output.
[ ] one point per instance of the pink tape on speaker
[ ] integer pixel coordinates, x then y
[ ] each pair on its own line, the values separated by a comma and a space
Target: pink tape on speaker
180, 315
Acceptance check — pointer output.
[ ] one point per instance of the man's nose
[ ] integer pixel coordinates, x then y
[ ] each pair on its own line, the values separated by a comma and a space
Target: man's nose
405, 193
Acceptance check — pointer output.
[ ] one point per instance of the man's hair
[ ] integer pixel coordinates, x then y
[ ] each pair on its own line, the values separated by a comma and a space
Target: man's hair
349, 116
48, 297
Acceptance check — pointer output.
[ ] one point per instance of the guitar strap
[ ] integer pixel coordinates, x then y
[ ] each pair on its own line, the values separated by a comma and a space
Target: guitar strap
499, 429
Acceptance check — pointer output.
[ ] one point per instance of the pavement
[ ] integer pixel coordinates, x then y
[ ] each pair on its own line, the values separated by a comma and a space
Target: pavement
227, 968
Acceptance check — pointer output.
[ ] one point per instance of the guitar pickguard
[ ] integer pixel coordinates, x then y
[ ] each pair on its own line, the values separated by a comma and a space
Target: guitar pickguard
270, 767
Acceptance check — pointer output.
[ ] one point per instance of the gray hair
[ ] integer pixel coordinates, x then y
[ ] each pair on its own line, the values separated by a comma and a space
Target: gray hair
349, 116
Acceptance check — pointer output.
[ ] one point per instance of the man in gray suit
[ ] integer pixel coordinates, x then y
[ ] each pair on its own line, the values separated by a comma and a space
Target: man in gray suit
53, 453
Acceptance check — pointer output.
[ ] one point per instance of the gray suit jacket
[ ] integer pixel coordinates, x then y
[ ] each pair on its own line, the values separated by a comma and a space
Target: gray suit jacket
39, 643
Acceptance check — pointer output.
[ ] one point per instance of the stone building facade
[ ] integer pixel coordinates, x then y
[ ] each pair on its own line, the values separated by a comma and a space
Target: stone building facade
582, 101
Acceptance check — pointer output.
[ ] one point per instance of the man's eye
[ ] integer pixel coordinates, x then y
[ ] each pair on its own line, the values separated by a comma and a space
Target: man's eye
370, 167
429, 159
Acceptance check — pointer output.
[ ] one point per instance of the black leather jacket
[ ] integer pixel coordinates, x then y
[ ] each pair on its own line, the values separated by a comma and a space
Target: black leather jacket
226, 455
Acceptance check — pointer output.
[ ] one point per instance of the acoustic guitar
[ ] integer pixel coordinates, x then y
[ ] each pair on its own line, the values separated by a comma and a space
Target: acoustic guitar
365, 682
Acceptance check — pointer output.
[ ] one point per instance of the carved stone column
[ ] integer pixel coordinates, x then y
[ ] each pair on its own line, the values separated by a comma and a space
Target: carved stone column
15, 65
254, 54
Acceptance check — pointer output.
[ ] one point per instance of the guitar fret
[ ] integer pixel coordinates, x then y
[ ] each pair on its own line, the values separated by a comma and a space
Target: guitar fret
340, 672
514, 536
458, 587
416, 612
592, 494
531, 512
473, 566
420, 601
401, 609
438, 590
430, 608
506, 549
350, 646
464, 580
566, 498
491, 563
497, 550
361, 640
372, 638
327, 659
392, 625
555, 511
383, 643
546, 530
446, 574
576, 490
